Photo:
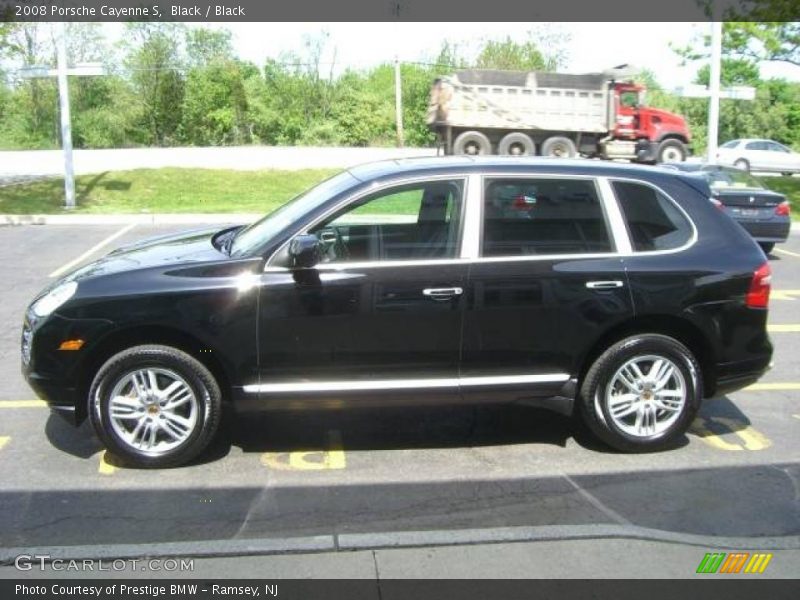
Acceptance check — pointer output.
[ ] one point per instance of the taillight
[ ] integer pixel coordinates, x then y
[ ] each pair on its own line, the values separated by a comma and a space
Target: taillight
758, 294
782, 210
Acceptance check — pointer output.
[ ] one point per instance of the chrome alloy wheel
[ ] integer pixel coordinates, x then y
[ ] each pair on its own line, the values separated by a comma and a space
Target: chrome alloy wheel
153, 410
646, 396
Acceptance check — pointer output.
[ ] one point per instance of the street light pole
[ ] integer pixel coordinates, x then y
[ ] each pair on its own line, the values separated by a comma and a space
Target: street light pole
714, 90
66, 129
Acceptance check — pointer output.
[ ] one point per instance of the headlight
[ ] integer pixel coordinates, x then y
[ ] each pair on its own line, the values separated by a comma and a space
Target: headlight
54, 298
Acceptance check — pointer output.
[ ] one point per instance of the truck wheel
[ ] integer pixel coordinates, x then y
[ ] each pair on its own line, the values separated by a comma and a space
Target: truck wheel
561, 147
671, 151
155, 406
516, 144
642, 393
472, 143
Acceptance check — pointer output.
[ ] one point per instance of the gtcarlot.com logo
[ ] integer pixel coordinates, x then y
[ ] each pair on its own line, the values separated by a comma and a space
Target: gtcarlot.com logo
735, 562
43, 562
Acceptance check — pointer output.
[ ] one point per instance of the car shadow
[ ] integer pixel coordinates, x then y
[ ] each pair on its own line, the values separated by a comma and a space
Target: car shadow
397, 428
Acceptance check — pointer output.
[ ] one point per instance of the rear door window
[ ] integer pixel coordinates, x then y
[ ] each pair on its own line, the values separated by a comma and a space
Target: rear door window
523, 217
652, 219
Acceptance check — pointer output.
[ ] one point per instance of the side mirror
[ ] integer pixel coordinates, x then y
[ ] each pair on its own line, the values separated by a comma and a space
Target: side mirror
304, 251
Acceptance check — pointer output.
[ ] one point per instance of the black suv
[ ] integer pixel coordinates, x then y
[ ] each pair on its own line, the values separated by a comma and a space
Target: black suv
614, 292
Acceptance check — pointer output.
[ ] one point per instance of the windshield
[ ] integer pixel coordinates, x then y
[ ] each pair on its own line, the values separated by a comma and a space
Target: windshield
732, 178
256, 235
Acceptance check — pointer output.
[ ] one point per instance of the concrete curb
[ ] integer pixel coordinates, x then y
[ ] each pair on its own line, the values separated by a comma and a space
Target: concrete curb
397, 539
127, 219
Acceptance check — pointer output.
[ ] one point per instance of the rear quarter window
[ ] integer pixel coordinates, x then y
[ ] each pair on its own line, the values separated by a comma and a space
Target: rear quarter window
652, 219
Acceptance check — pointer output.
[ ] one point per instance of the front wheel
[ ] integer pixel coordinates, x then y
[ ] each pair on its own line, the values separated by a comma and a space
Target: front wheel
155, 406
642, 393
671, 151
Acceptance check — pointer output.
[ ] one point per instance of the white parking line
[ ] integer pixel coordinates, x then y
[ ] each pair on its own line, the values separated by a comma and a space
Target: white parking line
787, 252
61, 270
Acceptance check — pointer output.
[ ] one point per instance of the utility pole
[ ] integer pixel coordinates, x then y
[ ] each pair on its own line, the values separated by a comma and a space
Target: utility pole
61, 72
66, 129
714, 91
398, 103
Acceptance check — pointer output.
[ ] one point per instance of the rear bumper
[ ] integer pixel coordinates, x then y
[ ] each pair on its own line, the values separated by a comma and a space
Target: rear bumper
735, 376
767, 231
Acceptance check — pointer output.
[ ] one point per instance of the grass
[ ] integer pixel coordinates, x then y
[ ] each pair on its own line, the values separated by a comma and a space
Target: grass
214, 191
789, 187
166, 190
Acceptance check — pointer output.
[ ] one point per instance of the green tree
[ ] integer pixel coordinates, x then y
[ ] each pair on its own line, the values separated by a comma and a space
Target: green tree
154, 61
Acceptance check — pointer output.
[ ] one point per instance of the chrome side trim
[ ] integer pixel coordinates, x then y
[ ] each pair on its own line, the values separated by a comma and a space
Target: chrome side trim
473, 218
616, 220
472, 225
401, 384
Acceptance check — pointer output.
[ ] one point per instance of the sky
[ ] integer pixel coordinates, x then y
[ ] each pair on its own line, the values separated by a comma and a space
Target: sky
592, 47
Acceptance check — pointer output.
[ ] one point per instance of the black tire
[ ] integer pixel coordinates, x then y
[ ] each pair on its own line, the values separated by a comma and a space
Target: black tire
787, 174
207, 404
767, 247
559, 146
743, 164
473, 143
516, 144
671, 151
593, 403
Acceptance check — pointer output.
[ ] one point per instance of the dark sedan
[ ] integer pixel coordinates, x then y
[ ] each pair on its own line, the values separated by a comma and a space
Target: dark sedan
763, 213
615, 292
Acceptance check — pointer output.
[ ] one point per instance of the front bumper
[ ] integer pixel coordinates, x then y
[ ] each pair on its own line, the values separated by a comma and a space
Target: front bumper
56, 376
62, 399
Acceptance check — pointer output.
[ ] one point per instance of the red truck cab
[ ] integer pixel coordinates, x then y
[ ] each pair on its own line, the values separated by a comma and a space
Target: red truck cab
659, 134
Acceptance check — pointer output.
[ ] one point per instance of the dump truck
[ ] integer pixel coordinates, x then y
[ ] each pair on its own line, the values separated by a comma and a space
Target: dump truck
554, 114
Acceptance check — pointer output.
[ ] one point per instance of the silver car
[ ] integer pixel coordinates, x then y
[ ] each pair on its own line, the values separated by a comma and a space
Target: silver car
759, 155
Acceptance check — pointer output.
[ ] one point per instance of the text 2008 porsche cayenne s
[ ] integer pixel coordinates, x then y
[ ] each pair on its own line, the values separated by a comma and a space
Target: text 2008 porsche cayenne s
619, 293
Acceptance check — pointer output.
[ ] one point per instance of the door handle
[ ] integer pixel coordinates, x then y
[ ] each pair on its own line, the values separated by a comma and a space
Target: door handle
442, 293
603, 285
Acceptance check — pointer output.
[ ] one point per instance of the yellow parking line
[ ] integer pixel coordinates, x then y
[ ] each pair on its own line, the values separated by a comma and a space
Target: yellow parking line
311, 460
23, 404
4, 439
749, 438
787, 252
105, 467
773, 387
783, 294
784, 328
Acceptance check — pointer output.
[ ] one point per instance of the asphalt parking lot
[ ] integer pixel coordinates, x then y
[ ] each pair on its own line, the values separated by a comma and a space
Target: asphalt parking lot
357, 475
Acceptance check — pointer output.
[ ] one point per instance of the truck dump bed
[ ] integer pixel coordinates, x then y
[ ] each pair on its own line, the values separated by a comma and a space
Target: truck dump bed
521, 100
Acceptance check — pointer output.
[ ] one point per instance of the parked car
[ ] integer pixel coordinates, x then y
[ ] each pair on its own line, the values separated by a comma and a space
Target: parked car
763, 213
759, 155
622, 296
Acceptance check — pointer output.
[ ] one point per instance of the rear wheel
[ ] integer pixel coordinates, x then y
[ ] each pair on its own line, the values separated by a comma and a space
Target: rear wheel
742, 164
155, 406
516, 144
642, 393
559, 146
472, 143
767, 247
